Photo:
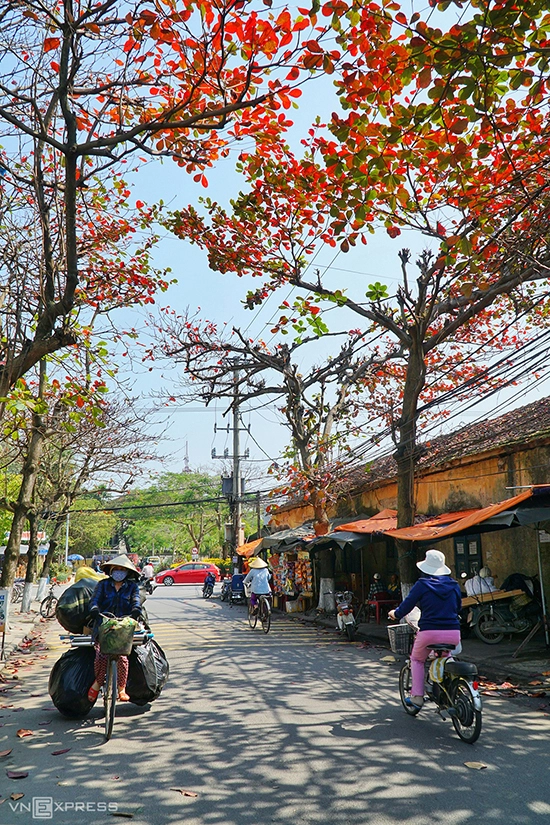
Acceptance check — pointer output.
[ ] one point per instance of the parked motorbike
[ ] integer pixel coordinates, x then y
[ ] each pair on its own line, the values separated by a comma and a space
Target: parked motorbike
344, 613
237, 594
491, 621
225, 592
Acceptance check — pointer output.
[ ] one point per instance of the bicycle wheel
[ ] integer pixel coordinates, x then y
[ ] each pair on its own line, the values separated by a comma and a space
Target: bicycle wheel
252, 616
405, 680
466, 719
265, 615
16, 594
47, 607
109, 696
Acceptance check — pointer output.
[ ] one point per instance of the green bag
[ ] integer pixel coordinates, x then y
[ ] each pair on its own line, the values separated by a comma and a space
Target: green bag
116, 636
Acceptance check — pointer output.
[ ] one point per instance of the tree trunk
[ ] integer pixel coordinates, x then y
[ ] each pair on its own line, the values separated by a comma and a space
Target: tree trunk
406, 456
32, 559
26, 493
52, 549
326, 580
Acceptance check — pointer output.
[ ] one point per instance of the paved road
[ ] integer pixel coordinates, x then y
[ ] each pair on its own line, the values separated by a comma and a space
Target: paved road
293, 728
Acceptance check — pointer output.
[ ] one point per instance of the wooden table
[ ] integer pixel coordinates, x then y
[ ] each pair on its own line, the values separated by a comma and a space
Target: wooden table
387, 604
495, 596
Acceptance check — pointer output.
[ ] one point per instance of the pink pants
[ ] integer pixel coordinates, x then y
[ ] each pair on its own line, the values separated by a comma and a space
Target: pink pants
420, 654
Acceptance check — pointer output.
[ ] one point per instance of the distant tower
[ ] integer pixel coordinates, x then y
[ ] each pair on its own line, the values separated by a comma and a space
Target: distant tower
186, 467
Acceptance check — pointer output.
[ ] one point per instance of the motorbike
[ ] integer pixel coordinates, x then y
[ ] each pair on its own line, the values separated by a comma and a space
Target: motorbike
225, 592
344, 613
237, 594
492, 620
450, 684
147, 584
207, 589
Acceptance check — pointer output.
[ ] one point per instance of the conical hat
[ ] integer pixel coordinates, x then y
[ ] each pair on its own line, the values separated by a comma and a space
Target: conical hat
256, 563
120, 561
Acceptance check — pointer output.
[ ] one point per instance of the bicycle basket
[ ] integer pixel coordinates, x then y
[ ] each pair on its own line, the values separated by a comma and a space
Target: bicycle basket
401, 638
116, 636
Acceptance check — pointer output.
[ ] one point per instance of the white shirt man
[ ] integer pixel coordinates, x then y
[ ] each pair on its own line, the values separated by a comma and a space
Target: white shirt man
482, 582
148, 571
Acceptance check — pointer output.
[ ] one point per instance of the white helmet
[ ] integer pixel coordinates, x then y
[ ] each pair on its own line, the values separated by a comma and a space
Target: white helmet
484, 572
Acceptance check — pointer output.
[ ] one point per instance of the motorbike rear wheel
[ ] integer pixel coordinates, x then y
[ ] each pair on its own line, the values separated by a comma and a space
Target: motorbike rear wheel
405, 681
466, 719
485, 621
350, 632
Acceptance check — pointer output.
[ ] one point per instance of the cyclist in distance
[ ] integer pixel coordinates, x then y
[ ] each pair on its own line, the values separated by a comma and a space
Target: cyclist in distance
438, 597
258, 577
119, 595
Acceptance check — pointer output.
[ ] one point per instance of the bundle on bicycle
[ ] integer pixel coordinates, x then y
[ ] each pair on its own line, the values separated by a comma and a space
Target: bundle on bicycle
452, 685
114, 610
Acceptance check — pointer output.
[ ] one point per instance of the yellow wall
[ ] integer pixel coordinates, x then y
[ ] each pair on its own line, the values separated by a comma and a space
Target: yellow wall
473, 481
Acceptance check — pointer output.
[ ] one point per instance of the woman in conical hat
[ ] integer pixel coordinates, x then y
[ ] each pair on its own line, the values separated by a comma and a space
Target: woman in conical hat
119, 595
258, 577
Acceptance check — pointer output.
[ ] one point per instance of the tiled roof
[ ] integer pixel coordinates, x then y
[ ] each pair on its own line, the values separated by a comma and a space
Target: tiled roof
519, 426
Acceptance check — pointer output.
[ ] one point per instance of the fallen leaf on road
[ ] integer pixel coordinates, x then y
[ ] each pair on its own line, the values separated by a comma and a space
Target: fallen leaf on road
17, 774
114, 778
58, 753
388, 659
24, 732
183, 792
5, 753
45, 722
476, 766
16, 796
536, 682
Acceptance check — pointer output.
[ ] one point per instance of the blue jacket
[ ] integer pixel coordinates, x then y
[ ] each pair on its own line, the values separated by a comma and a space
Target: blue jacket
118, 602
440, 602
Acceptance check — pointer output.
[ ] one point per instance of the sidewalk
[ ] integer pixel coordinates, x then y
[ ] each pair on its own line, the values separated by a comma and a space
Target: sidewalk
21, 625
494, 662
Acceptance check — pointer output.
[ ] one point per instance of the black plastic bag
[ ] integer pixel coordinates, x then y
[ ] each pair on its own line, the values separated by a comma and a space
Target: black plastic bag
147, 673
70, 679
73, 606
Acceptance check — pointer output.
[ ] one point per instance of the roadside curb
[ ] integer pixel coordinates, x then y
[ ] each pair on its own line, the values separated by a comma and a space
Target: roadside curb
20, 630
497, 667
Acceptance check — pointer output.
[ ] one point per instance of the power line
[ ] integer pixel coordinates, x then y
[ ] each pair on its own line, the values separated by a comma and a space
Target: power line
217, 500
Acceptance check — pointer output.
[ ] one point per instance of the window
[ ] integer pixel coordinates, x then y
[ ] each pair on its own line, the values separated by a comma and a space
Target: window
467, 555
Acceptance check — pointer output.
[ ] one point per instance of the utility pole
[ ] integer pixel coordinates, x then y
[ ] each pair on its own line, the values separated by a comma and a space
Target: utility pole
237, 487
234, 493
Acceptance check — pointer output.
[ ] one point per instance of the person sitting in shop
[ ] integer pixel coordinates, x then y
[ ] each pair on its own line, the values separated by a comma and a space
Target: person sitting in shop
482, 582
394, 588
376, 587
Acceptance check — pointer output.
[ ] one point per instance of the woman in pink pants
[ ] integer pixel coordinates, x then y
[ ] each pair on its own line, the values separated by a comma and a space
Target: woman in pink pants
439, 599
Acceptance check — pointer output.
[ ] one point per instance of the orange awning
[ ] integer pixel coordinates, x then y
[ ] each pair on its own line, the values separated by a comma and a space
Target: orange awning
247, 549
380, 523
429, 530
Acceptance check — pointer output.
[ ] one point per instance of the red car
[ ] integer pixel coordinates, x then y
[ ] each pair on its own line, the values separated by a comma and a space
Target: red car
192, 572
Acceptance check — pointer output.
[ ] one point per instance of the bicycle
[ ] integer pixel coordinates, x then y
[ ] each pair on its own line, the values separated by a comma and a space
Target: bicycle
261, 611
49, 604
17, 591
450, 684
110, 686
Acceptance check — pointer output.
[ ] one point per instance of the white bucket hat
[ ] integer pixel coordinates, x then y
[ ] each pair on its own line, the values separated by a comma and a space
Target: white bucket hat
434, 564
